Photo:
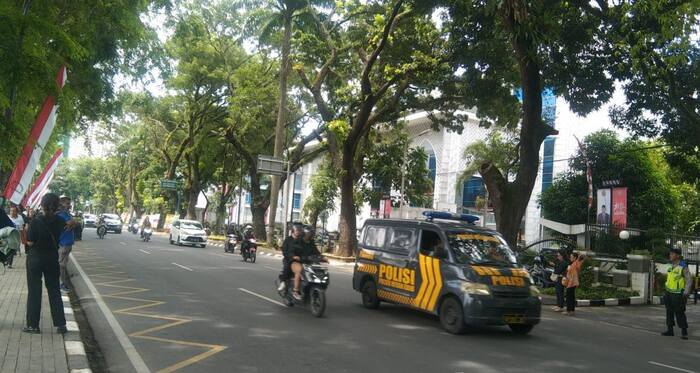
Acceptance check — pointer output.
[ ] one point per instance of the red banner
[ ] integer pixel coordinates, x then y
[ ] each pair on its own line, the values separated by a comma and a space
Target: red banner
619, 210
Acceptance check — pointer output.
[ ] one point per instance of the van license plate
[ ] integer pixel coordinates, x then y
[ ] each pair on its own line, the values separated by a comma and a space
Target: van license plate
514, 319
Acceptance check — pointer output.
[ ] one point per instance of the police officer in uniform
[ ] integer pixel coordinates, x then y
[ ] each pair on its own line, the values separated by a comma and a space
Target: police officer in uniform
678, 285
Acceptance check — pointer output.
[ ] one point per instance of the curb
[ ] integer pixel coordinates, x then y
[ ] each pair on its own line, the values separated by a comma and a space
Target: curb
631, 301
75, 349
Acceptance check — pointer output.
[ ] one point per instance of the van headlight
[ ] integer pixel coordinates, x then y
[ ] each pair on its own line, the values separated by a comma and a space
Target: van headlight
534, 291
476, 288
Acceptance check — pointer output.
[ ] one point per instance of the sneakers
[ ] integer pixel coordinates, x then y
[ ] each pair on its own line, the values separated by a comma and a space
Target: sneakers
668, 333
65, 289
62, 330
281, 286
557, 309
684, 334
297, 295
31, 330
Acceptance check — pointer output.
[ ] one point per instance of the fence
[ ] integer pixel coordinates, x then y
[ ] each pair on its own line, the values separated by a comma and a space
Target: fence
605, 239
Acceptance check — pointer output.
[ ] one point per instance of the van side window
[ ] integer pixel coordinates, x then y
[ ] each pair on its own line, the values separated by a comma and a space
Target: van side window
429, 242
401, 240
375, 236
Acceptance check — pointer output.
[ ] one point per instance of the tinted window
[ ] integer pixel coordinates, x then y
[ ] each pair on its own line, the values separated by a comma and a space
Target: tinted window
375, 236
401, 240
480, 248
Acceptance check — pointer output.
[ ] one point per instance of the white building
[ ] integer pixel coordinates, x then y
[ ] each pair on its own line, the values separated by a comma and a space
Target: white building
446, 163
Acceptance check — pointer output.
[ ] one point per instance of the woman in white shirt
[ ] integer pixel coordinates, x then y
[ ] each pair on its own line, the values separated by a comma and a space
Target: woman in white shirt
19, 223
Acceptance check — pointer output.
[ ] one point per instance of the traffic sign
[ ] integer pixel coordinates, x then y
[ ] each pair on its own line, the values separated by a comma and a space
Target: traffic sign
270, 165
169, 184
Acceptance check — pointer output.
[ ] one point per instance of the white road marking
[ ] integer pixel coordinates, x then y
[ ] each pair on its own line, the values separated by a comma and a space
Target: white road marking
183, 267
122, 243
671, 367
131, 352
178, 250
144, 251
262, 297
74, 348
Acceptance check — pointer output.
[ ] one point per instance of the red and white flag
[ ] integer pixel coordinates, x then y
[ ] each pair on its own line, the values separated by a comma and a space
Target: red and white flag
23, 173
42, 183
589, 173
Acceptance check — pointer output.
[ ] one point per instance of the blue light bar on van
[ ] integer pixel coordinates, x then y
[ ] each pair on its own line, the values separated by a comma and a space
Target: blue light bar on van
430, 215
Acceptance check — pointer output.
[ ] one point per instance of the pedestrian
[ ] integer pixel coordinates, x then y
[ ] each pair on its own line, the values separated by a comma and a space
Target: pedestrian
558, 274
679, 282
65, 241
42, 261
18, 221
571, 281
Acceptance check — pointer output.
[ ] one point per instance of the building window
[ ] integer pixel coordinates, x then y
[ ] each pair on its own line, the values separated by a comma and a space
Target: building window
432, 167
297, 181
296, 201
547, 163
248, 199
472, 188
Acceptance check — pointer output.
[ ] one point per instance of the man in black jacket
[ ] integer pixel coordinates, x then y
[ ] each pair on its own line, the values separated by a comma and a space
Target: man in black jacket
291, 247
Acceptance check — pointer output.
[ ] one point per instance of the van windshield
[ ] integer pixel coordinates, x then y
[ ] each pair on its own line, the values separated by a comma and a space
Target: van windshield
480, 248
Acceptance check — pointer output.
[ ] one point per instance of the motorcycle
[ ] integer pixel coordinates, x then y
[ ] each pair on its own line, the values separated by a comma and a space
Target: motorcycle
146, 234
231, 241
101, 231
250, 251
540, 273
314, 282
134, 228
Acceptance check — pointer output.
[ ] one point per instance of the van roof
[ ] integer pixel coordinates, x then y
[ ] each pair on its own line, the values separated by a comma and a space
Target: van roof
446, 225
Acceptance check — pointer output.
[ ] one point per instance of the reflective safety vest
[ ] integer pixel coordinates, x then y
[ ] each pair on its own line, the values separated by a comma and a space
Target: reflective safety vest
675, 281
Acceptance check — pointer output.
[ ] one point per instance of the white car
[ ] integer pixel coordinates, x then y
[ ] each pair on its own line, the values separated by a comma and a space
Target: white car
113, 222
188, 232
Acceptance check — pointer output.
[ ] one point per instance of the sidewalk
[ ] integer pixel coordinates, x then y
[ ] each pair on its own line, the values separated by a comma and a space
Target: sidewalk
22, 352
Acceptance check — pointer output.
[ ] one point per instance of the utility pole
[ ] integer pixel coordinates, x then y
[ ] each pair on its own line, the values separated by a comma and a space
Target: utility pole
285, 197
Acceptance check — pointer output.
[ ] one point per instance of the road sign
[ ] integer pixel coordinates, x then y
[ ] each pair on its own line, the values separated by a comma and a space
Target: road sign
270, 165
168, 184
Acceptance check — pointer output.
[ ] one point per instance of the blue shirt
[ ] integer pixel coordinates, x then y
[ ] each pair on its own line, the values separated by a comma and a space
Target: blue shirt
67, 237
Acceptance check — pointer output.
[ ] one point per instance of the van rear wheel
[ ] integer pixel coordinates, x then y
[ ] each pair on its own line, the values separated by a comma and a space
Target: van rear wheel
369, 295
452, 317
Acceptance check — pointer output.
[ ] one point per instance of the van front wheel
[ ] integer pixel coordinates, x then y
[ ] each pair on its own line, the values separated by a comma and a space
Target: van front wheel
369, 295
452, 317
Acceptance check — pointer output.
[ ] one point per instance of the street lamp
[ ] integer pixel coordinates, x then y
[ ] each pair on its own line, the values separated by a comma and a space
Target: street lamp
624, 235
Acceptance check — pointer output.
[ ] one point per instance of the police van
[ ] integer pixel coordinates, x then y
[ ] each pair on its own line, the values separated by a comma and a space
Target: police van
446, 266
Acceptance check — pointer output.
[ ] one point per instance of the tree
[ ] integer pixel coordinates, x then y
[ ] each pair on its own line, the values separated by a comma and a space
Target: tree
569, 47
324, 191
366, 64
652, 201
95, 43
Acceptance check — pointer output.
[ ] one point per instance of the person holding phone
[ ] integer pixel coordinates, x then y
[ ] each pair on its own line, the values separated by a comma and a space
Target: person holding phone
42, 261
571, 281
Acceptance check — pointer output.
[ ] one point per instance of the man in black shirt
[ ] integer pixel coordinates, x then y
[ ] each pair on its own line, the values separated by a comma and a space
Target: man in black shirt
42, 260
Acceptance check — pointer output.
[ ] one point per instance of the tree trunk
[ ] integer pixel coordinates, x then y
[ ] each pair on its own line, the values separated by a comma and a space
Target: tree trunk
192, 203
313, 219
258, 221
280, 133
348, 223
221, 211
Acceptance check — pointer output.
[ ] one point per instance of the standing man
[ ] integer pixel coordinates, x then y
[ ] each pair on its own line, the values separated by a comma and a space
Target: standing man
603, 218
66, 241
679, 282
19, 223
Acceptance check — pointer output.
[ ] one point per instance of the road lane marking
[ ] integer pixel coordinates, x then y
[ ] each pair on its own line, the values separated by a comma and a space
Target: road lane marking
262, 297
133, 355
122, 243
671, 367
183, 267
144, 251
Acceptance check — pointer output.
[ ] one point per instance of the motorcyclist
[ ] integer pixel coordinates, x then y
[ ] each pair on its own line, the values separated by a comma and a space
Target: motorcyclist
247, 236
291, 247
146, 223
101, 223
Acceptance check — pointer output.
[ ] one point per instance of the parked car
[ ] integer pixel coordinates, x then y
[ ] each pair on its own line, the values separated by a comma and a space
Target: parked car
114, 223
187, 232
89, 220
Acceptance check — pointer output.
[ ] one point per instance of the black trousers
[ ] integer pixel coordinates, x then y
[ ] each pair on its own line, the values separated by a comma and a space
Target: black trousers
559, 287
675, 308
286, 273
571, 299
46, 265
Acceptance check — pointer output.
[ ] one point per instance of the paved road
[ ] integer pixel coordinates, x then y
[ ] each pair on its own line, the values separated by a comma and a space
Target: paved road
199, 310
